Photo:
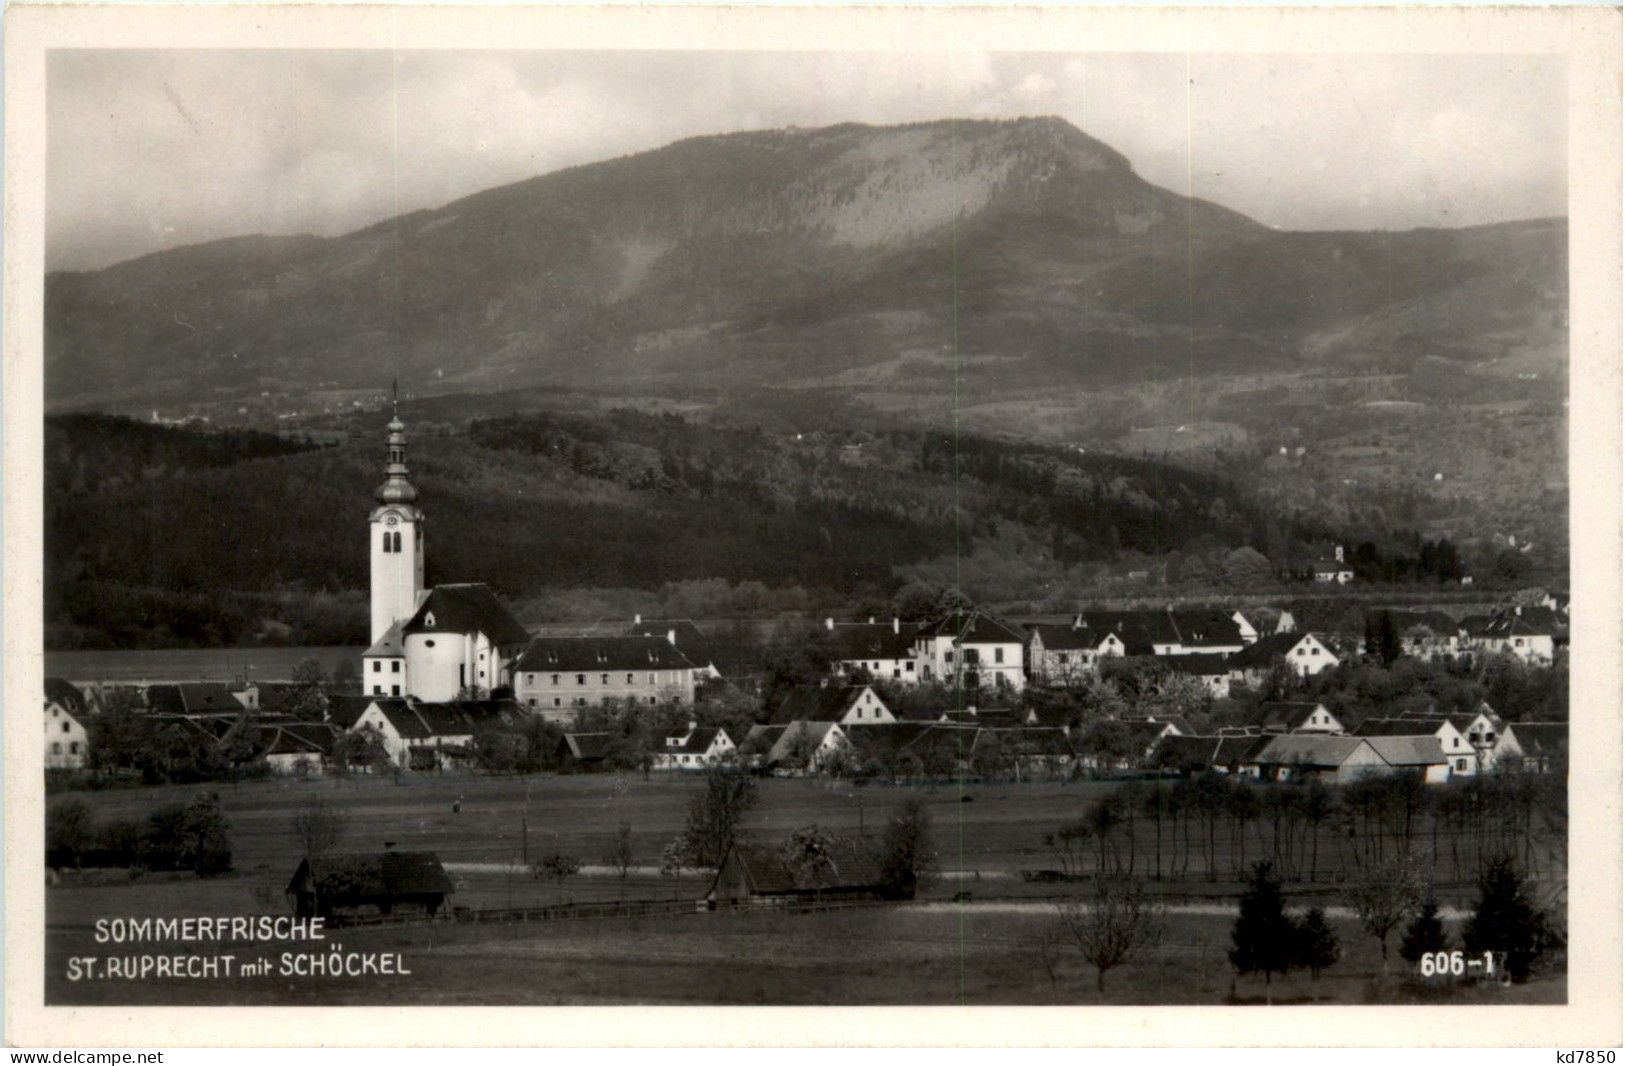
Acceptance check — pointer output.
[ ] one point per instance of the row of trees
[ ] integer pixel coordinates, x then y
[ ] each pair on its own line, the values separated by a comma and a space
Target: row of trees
1215, 826
191, 836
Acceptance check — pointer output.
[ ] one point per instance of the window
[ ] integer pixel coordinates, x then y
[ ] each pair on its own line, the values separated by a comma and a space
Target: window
56, 748
377, 667
653, 678
629, 679
581, 679
428, 644
603, 679
556, 701
397, 539
1461, 764
998, 655
394, 666
388, 541
73, 747
394, 690
531, 701
377, 690
909, 666
428, 619
65, 728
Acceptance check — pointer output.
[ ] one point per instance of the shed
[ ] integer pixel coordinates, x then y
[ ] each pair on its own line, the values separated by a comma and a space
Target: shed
755, 874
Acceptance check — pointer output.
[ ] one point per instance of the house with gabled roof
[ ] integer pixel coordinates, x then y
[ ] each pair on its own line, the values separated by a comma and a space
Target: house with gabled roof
585, 751
67, 727
694, 747
970, 649
353, 885
1193, 756
556, 676
846, 704
429, 736
291, 747
1461, 756
1302, 653
199, 697
1412, 754
1067, 654
1537, 747
797, 747
1212, 672
1529, 633
881, 651
1284, 716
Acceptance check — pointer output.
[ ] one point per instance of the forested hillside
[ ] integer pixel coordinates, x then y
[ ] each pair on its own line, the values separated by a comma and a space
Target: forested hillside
183, 537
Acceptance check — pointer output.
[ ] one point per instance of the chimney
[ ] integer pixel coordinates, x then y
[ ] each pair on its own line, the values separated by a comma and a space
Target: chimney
637, 619
829, 624
671, 637
896, 626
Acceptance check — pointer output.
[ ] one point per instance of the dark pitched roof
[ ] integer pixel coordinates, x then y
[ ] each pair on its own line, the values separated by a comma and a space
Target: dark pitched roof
385, 873
545, 654
1402, 727
1197, 754
682, 633
66, 695
1066, 637
697, 742
1205, 627
814, 703
1284, 717
1408, 750
297, 738
1140, 631
859, 641
193, 697
466, 609
586, 747
973, 627
1027, 741
1309, 749
1266, 651
1541, 738
343, 711
1199, 665
850, 866
418, 721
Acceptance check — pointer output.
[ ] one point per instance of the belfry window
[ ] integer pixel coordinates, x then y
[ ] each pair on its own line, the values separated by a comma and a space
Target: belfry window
388, 541
397, 542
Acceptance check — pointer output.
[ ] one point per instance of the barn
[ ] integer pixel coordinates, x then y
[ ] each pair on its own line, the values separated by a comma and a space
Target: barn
388, 882
757, 875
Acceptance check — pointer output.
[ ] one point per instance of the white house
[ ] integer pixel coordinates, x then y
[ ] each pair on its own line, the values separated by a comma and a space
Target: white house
884, 651
1302, 653
970, 649
1066, 654
67, 741
1299, 717
693, 748
435, 735
1510, 631
799, 747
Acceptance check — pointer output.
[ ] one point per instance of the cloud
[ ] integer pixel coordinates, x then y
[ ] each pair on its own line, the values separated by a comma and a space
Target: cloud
157, 148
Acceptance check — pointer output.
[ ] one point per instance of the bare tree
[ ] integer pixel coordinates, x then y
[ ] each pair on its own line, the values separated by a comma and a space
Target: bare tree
319, 825
1383, 895
1112, 927
619, 855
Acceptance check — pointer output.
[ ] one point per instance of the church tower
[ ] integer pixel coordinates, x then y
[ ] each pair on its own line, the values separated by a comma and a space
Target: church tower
397, 539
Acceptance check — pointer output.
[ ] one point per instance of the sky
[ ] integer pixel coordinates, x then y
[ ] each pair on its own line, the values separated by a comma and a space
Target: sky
154, 149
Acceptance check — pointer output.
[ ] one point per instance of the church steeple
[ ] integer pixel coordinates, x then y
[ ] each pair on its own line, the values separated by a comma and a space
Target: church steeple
396, 488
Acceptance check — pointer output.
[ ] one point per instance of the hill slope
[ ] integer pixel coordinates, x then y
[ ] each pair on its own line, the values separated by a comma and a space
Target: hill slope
958, 257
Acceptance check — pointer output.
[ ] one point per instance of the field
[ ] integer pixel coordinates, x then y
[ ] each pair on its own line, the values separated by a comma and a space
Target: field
983, 935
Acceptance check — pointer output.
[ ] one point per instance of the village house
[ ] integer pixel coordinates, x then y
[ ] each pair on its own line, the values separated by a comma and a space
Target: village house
1212, 672
555, 676
1328, 568
67, 736
1302, 653
1297, 717
1481, 727
693, 748
1534, 747
1024, 752
1530, 634
846, 704
881, 651
970, 650
436, 736
1427, 635
1342, 759
1461, 755
585, 751
1194, 756
201, 698
797, 747
298, 748
1067, 654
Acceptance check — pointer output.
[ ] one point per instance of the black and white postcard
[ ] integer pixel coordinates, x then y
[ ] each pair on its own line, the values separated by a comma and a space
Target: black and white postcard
1100, 511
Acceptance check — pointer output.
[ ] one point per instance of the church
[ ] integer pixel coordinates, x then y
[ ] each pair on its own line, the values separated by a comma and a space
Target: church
435, 645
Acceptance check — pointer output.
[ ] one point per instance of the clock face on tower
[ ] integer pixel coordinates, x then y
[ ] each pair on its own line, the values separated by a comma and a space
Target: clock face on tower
392, 520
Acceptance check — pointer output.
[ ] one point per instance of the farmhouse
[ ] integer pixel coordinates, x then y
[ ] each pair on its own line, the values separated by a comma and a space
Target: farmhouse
683, 635
1036, 751
67, 740
1298, 717
1538, 747
846, 704
1199, 755
297, 747
694, 748
799, 747
363, 885
1530, 634
1461, 755
1302, 653
882, 651
1212, 672
1066, 654
1299, 756
436, 736
756, 875
1414, 754
556, 675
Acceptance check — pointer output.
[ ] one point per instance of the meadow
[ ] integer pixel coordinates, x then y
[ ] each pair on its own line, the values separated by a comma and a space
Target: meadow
981, 935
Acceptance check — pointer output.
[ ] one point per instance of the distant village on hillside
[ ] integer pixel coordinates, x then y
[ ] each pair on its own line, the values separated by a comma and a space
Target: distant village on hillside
452, 680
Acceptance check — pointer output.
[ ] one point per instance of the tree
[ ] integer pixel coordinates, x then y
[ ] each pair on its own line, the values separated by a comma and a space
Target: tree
1506, 919
618, 856
714, 816
1383, 895
1113, 927
69, 831
908, 858
319, 825
1425, 934
1317, 943
809, 854
191, 837
557, 867
1263, 940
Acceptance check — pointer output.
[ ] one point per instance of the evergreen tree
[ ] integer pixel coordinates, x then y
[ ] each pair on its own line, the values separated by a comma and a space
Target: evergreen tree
1318, 947
1264, 939
1505, 919
1425, 934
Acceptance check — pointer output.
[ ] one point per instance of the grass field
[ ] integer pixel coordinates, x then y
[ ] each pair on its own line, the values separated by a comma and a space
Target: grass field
987, 947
